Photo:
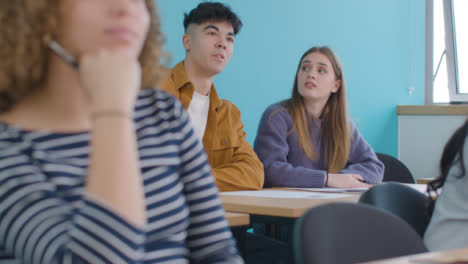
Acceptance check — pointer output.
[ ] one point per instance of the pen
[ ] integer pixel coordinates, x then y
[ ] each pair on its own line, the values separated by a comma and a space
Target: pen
62, 53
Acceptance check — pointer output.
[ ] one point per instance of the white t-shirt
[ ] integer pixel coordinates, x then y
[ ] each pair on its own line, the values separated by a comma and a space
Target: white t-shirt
198, 112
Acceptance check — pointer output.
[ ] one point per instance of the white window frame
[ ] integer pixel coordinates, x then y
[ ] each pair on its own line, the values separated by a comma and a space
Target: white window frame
429, 54
450, 53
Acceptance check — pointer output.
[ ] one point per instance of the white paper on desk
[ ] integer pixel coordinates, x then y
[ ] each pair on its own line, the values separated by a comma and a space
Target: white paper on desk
285, 194
332, 190
418, 187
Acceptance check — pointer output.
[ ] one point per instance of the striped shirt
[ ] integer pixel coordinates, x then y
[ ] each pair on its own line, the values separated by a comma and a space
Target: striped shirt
46, 216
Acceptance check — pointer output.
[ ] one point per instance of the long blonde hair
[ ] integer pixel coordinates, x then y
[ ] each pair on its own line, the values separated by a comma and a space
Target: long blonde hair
335, 128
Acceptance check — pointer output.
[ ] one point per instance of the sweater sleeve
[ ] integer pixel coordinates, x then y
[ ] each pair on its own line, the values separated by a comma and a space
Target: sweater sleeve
362, 159
209, 238
37, 225
272, 148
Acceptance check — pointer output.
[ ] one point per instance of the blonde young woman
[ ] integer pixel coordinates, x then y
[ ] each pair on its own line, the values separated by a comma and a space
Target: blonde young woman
94, 169
308, 140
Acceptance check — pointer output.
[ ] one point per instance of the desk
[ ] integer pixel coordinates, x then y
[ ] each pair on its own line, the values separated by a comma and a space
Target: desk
424, 180
287, 207
442, 257
275, 212
239, 224
282, 207
279, 213
236, 219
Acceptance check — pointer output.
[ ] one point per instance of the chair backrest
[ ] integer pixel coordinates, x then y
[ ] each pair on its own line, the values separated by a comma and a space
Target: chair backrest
351, 233
395, 170
402, 201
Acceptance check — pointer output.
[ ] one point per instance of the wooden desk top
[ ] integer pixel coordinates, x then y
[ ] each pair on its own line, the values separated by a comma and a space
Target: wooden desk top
292, 208
442, 257
424, 180
237, 219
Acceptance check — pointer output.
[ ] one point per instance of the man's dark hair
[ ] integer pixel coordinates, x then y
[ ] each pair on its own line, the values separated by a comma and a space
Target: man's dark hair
212, 11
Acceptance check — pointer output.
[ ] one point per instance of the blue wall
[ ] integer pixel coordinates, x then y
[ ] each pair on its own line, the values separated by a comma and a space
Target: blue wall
380, 43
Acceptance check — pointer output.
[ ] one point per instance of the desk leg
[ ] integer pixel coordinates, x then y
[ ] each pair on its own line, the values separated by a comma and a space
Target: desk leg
275, 225
240, 234
281, 231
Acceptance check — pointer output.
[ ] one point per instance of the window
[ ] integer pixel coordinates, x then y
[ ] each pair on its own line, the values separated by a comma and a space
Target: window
461, 43
439, 63
446, 51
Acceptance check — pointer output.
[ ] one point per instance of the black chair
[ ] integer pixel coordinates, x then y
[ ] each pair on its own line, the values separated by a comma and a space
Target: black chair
351, 233
395, 170
402, 201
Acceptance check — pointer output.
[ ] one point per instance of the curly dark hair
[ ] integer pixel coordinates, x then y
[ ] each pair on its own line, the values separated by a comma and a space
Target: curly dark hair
212, 11
24, 55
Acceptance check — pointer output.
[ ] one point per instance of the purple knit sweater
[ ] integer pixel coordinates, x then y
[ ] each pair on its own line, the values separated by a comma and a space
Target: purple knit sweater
286, 165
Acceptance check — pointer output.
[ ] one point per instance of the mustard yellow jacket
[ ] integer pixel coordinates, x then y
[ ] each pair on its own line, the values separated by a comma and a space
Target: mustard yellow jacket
235, 165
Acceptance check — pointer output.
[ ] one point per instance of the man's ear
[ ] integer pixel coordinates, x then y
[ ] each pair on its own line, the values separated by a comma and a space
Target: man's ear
337, 86
187, 41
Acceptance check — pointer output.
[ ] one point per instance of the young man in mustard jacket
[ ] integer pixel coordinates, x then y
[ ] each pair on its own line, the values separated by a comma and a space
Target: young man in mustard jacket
210, 31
